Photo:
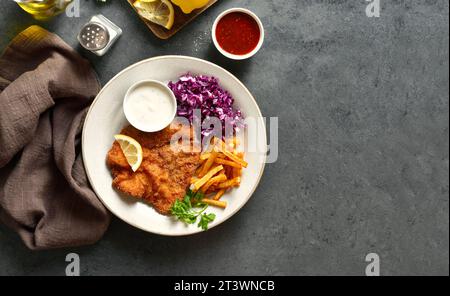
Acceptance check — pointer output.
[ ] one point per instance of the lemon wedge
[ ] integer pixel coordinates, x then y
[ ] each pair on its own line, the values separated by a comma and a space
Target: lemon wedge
131, 149
160, 12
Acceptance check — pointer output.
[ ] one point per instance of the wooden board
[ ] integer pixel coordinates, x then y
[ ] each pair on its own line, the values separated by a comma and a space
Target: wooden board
181, 20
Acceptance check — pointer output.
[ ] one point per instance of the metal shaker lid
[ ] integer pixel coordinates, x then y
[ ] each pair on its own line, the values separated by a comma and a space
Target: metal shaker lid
93, 36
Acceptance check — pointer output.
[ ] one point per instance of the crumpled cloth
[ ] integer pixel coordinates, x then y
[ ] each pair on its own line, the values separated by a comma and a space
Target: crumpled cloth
45, 91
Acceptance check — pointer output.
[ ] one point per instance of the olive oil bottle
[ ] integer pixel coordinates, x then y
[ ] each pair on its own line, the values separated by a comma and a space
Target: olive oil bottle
43, 9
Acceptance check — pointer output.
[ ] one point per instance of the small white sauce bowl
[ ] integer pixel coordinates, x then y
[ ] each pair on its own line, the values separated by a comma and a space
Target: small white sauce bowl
235, 56
156, 126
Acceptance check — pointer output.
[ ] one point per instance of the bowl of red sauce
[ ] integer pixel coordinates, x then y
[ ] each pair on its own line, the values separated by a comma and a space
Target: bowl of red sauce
238, 33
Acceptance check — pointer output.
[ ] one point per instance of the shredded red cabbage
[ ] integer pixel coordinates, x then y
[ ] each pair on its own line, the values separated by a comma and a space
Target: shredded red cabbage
204, 93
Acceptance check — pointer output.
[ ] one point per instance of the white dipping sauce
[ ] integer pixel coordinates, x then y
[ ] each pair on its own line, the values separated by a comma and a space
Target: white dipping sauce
150, 106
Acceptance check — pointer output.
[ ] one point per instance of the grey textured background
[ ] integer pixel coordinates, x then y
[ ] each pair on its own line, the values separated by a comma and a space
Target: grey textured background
364, 139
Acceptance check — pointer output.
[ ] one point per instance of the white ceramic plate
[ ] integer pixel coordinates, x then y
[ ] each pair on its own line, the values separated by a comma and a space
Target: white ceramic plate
106, 118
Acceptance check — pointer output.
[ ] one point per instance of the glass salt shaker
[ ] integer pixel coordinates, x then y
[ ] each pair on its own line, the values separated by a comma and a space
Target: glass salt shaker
99, 34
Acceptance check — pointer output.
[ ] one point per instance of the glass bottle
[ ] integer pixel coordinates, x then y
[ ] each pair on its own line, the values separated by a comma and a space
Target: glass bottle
43, 9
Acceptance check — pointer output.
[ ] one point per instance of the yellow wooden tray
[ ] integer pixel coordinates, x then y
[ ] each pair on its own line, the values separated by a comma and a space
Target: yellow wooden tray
181, 20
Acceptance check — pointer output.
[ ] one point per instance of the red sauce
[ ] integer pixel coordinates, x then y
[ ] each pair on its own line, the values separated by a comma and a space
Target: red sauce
238, 33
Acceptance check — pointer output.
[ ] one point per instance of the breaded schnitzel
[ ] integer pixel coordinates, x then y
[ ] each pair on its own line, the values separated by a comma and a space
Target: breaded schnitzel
164, 174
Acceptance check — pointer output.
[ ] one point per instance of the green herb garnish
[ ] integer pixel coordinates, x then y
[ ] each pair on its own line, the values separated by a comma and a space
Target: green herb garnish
190, 208
205, 220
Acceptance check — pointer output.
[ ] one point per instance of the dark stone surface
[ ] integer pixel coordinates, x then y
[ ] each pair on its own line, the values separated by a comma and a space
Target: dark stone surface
364, 139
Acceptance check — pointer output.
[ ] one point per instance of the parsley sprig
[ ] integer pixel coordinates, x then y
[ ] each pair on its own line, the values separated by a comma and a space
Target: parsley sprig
190, 208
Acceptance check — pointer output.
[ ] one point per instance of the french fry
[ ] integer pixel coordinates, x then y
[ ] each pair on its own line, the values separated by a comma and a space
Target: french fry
237, 172
228, 163
236, 159
199, 169
231, 145
205, 156
230, 183
220, 170
216, 179
219, 194
212, 189
197, 185
229, 172
239, 154
216, 203
208, 164
221, 147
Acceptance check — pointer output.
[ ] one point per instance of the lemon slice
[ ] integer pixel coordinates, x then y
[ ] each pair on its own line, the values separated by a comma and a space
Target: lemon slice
160, 12
132, 151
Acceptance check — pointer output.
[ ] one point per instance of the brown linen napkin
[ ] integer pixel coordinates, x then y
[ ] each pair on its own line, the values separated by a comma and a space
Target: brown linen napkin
45, 90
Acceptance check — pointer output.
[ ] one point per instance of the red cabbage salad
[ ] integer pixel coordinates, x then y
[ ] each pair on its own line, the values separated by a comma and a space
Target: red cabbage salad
204, 93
